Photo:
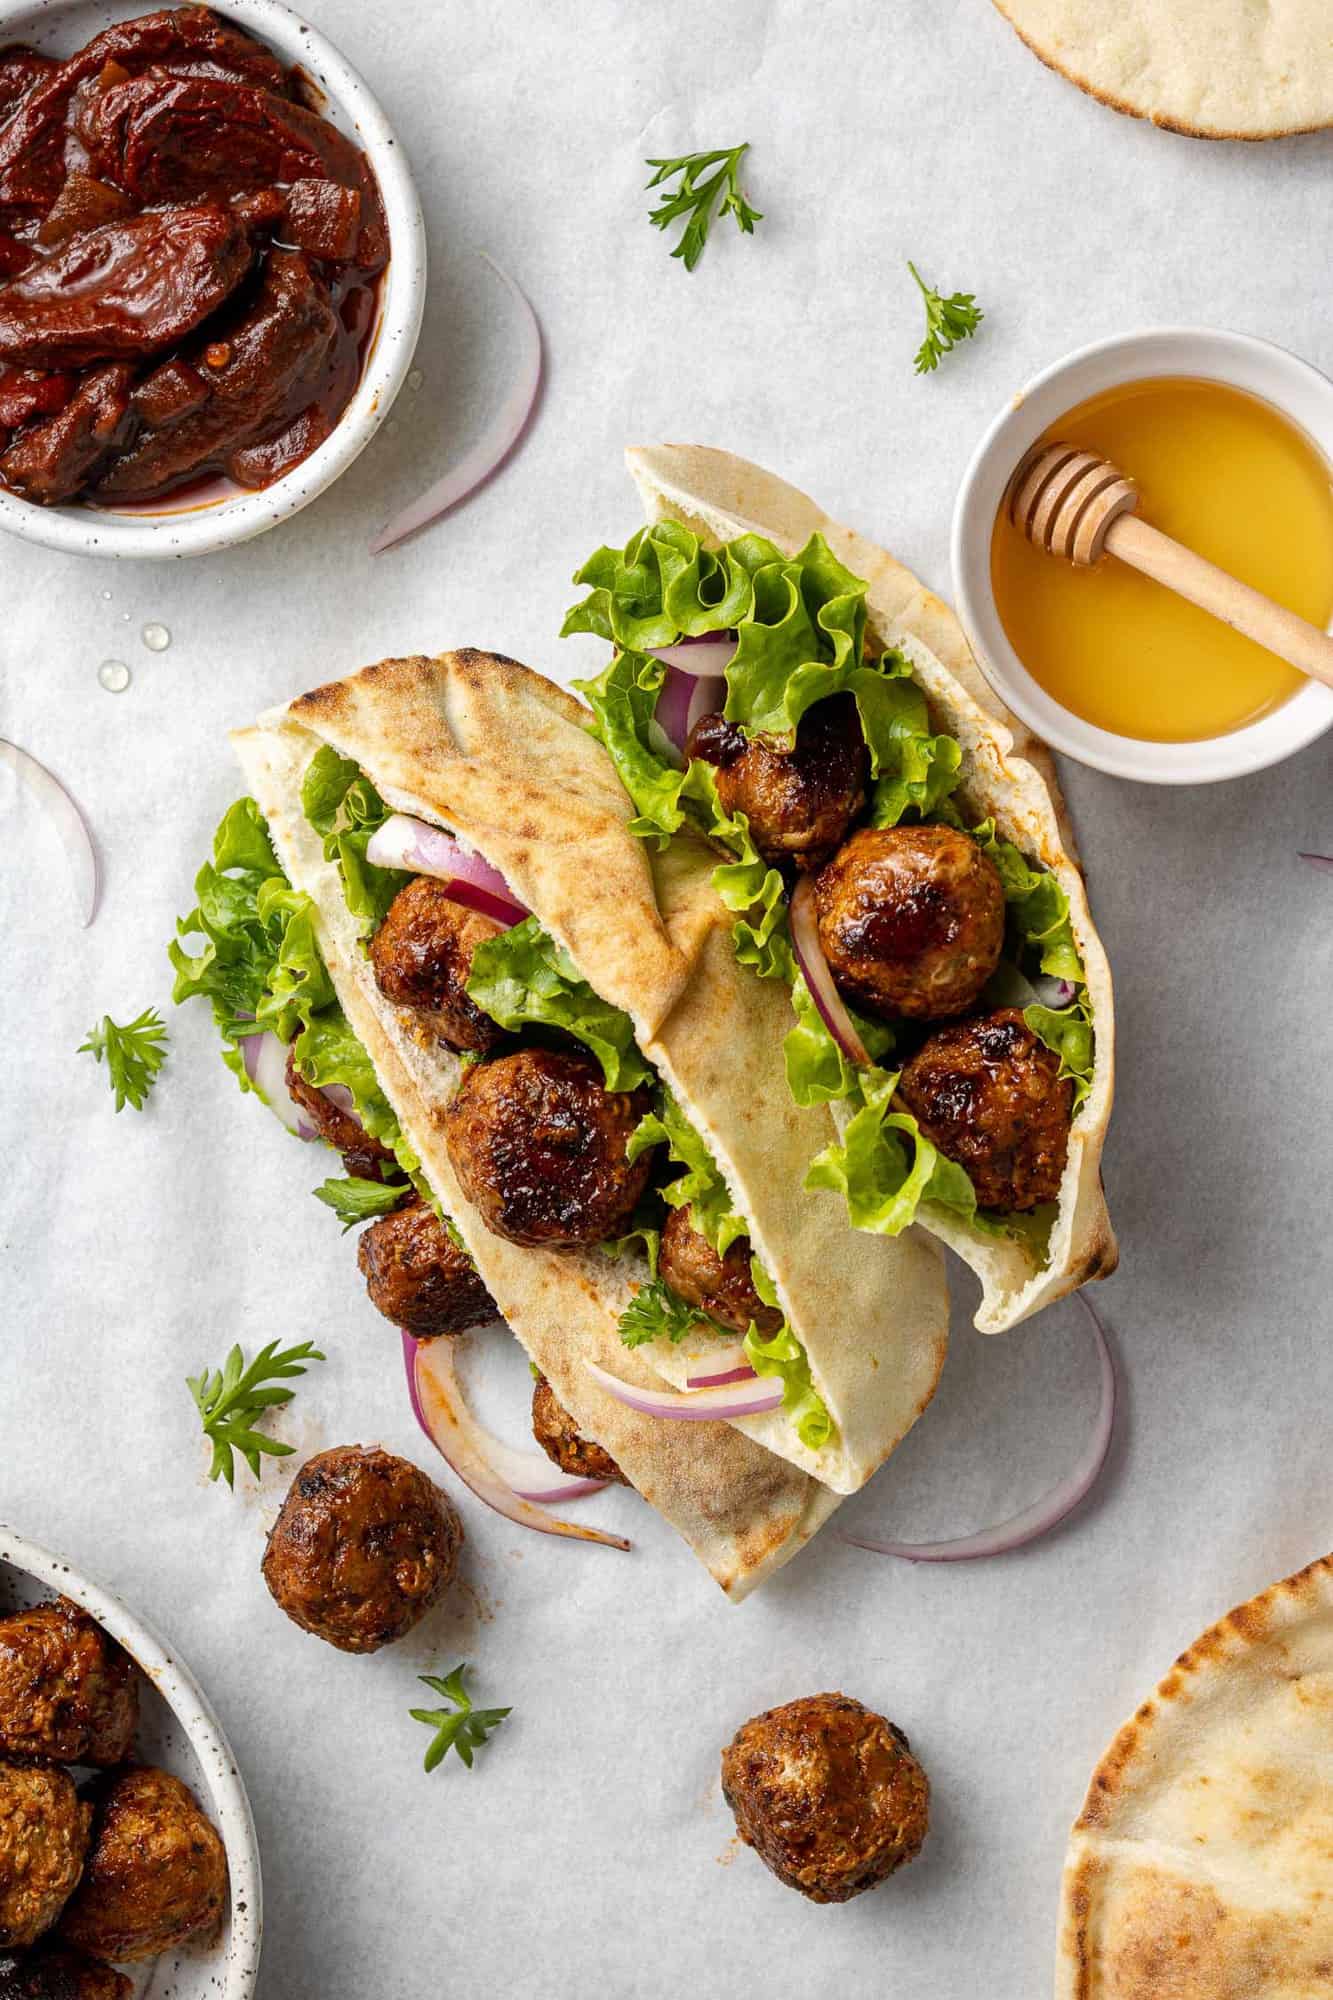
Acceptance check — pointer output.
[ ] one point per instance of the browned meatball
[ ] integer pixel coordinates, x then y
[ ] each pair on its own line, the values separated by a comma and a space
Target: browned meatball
157, 1869
43, 1839
418, 1277
422, 956
799, 802
911, 920
990, 1096
539, 1146
362, 1548
363, 1156
67, 1691
828, 1794
720, 1286
563, 1443
59, 1972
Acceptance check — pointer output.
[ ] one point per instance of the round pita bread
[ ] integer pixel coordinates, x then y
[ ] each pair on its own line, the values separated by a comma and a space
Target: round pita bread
1201, 1866
1216, 69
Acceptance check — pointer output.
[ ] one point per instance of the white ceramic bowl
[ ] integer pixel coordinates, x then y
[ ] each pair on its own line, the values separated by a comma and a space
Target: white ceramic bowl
1291, 385
187, 527
179, 1732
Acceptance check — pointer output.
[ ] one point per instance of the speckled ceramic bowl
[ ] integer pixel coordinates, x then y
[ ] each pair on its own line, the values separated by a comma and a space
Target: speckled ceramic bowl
191, 526
178, 1731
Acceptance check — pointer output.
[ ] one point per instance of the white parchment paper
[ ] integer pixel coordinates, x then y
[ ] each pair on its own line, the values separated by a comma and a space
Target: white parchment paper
589, 1850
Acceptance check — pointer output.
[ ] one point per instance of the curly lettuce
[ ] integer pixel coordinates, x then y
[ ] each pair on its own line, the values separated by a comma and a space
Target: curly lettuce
700, 1188
345, 810
523, 978
783, 1355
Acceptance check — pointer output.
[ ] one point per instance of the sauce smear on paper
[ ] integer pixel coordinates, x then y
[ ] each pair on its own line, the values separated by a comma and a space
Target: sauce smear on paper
1227, 475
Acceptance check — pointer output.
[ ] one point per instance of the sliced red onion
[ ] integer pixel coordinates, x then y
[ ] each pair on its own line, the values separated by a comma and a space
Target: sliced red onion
439, 1407
683, 700
1316, 860
736, 1399
703, 658
725, 1364
69, 822
341, 1098
815, 972
265, 1060
496, 441
422, 849
1044, 1514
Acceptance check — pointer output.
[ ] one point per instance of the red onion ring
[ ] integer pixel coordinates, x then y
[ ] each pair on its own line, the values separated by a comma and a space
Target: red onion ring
725, 1364
265, 1060
67, 818
1316, 860
422, 849
496, 441
704, 657
1044, 1514
752, 1398
684, 698
439, 1407
819, 980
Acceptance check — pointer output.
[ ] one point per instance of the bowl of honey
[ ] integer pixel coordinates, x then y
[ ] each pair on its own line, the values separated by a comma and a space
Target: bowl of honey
1230, 442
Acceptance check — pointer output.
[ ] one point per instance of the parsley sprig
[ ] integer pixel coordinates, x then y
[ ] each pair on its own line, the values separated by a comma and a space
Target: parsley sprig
948, 321
232, 1398
656, 1310
697, 197
133, 1054
354, 1201
463, 1728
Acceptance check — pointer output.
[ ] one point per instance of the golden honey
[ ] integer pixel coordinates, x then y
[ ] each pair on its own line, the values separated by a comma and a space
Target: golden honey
1226, 474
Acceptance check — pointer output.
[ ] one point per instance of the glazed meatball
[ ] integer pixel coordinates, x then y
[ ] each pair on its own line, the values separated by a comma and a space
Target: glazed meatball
828, 1794
364, 1157
157, 1869
911, 920
362, 1548
720, 1286
422, 955
67, 1691
556, 1433
539, 1145
43, 1839
991, 1097
418, 1277
58, 1972
799, 802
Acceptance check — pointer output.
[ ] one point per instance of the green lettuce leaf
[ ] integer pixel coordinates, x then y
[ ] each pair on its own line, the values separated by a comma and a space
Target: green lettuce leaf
522, 978
701, 1187
885, 1166
1038, 906
817, 1070
783, 1355
1069, 1031
663, 584
345, 809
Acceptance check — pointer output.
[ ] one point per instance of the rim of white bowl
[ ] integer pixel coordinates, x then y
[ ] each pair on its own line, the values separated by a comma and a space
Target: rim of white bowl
200, 529
194, 1712
1295, 387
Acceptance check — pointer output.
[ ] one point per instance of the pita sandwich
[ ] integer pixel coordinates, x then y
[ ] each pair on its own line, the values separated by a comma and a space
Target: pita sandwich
998, 782
1201, 1866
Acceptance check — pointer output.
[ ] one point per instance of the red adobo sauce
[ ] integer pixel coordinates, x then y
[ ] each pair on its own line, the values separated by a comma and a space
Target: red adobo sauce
188, 262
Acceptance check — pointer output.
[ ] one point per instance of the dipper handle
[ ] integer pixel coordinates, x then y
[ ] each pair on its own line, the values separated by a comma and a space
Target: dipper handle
1073, 504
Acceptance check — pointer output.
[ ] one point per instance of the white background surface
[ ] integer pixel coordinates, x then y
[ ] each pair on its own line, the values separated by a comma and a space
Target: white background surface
586, 1850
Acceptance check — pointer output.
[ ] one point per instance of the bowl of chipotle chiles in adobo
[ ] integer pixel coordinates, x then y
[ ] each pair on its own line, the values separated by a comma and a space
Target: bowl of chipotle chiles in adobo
211, 273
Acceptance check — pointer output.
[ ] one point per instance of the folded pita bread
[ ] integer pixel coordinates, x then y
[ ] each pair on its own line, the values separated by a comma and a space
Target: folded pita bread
1006, 773
1215, 69
502, 757
1201, 1866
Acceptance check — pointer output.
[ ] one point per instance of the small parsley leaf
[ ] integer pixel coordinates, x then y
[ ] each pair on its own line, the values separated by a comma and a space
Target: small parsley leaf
656, 1311
462, 1728
232, 1398
948, 321
354, 1200
697, 197
133, 1054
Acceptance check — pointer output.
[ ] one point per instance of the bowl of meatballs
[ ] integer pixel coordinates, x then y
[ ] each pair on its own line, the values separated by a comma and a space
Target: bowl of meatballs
212, 273
128, 1861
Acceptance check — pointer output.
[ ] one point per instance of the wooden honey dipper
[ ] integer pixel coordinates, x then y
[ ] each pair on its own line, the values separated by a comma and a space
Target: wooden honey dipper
1073, 504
